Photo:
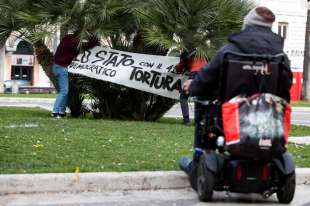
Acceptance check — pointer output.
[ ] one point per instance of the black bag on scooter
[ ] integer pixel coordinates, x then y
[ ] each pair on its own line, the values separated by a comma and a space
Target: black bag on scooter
256, 127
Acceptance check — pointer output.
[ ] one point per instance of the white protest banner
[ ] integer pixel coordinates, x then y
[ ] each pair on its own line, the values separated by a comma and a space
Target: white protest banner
150, 73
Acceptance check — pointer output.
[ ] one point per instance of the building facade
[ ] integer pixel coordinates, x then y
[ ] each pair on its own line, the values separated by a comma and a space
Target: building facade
291, 18
21, 63
18, 62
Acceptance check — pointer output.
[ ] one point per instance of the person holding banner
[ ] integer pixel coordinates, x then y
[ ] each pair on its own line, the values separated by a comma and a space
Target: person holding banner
191, 64
182, 68
66, 51
255, 38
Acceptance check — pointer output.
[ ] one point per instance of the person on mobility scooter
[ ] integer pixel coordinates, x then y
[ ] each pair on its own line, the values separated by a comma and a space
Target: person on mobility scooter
247, 120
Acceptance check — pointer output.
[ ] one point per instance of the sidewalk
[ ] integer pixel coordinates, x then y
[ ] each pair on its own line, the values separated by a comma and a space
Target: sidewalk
14, 100
300, 140
44, 103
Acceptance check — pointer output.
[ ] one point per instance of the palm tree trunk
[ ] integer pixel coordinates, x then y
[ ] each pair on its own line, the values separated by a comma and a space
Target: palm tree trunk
2, 55
306, 71
45, 59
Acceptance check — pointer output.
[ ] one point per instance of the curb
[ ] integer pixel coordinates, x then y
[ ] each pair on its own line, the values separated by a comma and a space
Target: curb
92, 182
107, 181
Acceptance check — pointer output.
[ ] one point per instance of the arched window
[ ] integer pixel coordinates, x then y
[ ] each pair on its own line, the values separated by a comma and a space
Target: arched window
22, 62
24, 47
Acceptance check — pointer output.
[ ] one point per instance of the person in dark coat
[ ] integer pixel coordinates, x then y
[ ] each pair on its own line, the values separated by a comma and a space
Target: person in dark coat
189, 63
255, 38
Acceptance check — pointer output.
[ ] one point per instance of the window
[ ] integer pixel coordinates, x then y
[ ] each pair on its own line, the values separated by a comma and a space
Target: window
19, 61
282, 29
21, 72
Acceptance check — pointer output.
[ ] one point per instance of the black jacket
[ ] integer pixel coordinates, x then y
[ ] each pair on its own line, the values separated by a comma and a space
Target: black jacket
252, 40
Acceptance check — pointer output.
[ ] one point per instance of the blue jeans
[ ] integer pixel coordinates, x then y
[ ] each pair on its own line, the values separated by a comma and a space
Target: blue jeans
61, 74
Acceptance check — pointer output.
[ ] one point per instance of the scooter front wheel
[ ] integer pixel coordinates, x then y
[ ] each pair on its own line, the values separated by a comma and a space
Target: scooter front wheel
286, 191
205, 181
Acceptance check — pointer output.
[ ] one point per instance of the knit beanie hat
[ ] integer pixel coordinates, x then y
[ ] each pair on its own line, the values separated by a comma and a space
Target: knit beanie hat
260, 16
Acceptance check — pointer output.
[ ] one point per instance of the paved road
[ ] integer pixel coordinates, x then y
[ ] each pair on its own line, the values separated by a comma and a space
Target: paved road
300, 116
27, 102
183, 197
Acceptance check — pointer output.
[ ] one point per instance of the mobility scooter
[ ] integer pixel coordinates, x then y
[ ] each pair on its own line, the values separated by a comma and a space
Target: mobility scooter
246, 137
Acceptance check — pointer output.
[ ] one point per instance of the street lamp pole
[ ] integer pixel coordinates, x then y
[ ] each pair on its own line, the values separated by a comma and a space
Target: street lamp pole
306, 71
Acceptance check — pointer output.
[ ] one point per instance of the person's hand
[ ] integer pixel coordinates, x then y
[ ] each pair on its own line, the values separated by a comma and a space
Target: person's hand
186, 85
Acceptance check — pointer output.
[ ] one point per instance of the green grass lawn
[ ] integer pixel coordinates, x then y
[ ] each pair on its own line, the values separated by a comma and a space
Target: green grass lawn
299, 131
28, 95
31, 141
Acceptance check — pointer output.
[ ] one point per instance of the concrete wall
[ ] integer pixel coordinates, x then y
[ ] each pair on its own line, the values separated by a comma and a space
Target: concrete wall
40, 78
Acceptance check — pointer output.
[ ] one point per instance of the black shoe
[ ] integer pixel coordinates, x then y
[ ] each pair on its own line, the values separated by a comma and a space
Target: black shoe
186, 123
186, 120
54, 115
185, 164
62, 114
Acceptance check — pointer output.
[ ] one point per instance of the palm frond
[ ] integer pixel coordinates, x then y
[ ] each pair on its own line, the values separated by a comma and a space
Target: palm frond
199, 24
